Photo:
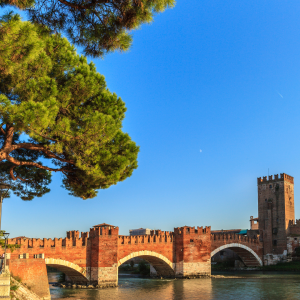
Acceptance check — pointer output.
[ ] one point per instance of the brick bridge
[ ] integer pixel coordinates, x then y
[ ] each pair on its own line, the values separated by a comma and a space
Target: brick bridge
95, 256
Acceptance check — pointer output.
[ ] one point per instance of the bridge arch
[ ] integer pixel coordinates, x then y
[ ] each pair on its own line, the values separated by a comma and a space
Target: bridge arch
74, 272
163, 266
249, 257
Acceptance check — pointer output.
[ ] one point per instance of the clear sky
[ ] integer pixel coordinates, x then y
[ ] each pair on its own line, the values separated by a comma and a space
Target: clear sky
212, 90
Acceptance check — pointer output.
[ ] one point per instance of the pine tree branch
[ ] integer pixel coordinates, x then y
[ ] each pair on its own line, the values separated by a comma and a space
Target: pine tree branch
33, 164
34, 147
11, 172
80, 7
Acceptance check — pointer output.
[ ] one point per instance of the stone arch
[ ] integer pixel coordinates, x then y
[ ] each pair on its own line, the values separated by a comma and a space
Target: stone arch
74, 272
162, 265
249, 257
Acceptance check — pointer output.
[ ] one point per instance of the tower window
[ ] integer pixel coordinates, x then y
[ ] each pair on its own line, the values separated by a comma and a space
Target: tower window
270, 186
274, 242
266, 200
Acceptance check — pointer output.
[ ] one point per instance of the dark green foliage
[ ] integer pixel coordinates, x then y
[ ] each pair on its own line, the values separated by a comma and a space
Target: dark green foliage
57, 115
288, 266
144, 268
297, 251
12, 247
14, 287
226, 265
100, 26
125, 268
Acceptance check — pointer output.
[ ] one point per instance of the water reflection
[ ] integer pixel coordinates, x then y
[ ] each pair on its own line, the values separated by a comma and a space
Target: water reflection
246, 286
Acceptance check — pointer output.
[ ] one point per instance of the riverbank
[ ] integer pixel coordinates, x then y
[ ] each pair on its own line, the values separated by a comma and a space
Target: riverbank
293, 266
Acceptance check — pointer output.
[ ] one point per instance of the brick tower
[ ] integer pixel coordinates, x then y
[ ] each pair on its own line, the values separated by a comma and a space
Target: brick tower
275, 210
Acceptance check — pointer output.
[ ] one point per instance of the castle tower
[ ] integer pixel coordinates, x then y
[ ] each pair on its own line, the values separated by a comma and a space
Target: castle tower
275, 210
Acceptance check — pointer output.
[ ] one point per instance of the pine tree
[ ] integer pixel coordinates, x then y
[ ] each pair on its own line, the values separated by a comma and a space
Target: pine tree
99, 26
57, 115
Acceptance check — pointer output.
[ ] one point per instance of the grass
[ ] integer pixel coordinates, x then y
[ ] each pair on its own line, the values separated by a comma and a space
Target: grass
293, 266
288, 266
14, 287
223, 266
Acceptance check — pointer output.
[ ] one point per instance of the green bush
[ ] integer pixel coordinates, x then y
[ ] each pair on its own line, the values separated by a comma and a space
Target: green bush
14, 287
125, 268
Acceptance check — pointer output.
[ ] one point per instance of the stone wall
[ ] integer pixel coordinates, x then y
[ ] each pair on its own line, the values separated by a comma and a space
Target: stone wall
293, 242
5, 285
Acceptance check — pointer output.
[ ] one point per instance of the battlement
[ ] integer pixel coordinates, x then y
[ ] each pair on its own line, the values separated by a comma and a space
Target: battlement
297, 223
283, 177
73, 234
294, 227
232, 237
191, 230
49, 243
103, 230
157, 237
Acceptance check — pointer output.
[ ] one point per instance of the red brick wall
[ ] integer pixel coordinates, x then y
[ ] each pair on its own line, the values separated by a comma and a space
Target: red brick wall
32, 272
219, 240
68, 249
160, 242
196, 244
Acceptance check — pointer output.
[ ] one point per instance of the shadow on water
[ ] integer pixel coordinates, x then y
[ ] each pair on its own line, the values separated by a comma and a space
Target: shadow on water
230, 285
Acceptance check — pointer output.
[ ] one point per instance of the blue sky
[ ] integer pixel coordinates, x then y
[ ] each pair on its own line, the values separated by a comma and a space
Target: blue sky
222, 77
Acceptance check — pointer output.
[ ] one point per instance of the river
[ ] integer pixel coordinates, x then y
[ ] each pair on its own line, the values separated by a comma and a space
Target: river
239, 285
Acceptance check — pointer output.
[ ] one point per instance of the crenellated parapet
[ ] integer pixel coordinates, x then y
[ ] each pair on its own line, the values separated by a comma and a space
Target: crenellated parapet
294, 227
155, 237
234, 238
270, 179
103, 230
32, 243
192, 230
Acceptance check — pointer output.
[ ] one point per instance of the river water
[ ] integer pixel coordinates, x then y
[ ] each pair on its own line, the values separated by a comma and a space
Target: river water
247, 285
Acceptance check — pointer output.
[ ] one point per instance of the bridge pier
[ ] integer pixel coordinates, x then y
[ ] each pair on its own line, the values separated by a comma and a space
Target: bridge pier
104, 276
193, 270
103, 257
33, 273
